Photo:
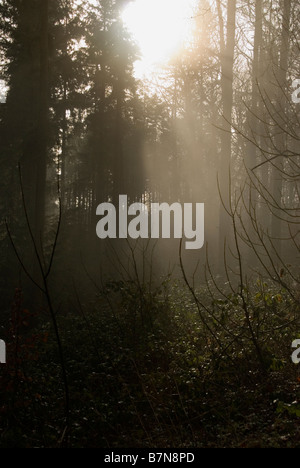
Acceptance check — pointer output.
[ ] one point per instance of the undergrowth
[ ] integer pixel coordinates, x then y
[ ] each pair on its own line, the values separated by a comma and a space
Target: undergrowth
145, 371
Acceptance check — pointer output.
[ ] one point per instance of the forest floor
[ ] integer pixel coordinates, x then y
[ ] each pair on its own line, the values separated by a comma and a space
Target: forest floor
144, 373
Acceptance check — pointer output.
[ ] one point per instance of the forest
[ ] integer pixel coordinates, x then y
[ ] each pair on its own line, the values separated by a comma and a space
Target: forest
137, 341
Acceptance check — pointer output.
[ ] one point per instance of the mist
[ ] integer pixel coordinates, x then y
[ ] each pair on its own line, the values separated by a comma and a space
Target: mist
91, 287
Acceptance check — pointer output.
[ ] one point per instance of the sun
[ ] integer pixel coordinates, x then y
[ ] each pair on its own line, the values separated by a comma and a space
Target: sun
160, 28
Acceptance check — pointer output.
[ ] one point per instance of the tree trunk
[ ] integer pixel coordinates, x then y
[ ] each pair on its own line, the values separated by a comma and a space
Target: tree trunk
118, 166
42, 128
255, 129
255, 101
280, 118
227, 61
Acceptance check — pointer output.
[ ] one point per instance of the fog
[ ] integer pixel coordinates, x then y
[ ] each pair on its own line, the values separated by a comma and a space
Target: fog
88, 144
215, 124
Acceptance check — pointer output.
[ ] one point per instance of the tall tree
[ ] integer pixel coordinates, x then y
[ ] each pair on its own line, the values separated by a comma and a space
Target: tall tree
227, 50
25, 124
110, 56
281, 123
42, 131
